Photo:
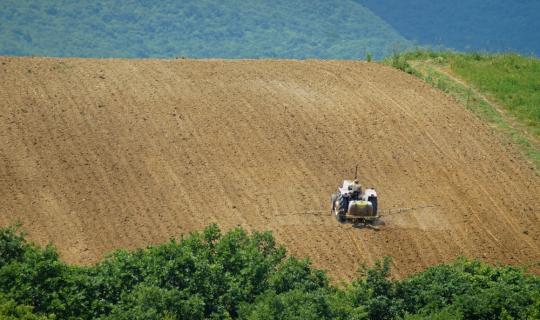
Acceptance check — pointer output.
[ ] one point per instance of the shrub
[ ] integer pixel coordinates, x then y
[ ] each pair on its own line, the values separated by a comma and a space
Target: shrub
369, 57
399, 61
10, 310
236, 275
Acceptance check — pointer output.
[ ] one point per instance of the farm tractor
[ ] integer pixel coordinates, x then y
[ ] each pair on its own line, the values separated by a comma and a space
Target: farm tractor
352, 204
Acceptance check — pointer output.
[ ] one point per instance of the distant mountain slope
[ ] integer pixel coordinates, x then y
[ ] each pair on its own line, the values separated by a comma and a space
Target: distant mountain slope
202, 29
492, 25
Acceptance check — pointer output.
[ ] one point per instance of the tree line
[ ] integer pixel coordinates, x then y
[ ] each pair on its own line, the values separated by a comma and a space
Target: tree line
241, 275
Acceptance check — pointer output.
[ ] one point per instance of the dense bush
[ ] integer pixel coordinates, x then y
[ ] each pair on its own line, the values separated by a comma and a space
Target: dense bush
236, 275
10, 310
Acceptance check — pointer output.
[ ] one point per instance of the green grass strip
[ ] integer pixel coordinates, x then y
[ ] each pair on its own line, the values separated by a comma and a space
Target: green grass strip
512, 81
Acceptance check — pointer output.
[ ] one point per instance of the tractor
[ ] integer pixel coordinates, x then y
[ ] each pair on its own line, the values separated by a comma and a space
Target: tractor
352, 204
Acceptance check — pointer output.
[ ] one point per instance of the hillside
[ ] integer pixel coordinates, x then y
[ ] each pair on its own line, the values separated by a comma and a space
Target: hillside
494, 25
196, 29
501, 89
104, 154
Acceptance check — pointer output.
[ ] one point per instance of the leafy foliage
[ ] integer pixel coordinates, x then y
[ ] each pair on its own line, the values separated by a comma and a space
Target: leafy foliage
472, 290
193, 28
236, 275
10, 310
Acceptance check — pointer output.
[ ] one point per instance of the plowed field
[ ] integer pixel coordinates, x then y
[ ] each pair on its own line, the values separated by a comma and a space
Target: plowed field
104, 154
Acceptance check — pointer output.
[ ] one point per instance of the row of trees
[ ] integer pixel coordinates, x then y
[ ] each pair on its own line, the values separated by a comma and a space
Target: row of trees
236, 275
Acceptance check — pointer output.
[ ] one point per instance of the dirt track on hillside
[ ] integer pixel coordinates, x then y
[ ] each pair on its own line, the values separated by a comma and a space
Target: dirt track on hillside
104, 154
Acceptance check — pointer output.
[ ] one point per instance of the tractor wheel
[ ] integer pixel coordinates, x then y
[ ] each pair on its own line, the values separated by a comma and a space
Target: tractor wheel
374, 203
342, 204
341, 210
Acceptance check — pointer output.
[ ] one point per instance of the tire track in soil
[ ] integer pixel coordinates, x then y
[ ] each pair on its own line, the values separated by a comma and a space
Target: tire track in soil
265, 140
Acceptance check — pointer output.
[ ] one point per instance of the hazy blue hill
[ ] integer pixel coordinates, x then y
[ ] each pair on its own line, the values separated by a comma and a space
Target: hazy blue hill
194, 28
492, 25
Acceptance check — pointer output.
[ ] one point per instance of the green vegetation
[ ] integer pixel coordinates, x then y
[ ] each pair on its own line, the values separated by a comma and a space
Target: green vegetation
511, 79
10, 310
343, 29
473, 25
194, 28
503, 89
236, 275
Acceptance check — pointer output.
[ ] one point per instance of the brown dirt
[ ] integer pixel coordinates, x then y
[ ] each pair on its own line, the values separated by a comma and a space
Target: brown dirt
104, 154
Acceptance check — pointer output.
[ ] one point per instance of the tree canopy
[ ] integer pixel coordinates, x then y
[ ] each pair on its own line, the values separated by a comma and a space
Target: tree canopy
237, 275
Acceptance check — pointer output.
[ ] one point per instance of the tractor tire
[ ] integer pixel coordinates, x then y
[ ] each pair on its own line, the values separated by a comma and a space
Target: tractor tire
342, 209
342, 204
374, 201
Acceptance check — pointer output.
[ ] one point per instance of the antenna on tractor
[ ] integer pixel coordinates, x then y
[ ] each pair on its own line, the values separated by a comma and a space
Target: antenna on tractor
356, 172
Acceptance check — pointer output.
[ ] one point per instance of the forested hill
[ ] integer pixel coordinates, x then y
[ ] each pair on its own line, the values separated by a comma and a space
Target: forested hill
473, 25
194, 28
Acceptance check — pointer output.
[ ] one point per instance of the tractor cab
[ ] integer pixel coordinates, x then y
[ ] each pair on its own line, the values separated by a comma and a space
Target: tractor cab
351, 189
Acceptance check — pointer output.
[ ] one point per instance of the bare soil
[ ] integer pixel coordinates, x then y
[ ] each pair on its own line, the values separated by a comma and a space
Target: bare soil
103, 154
